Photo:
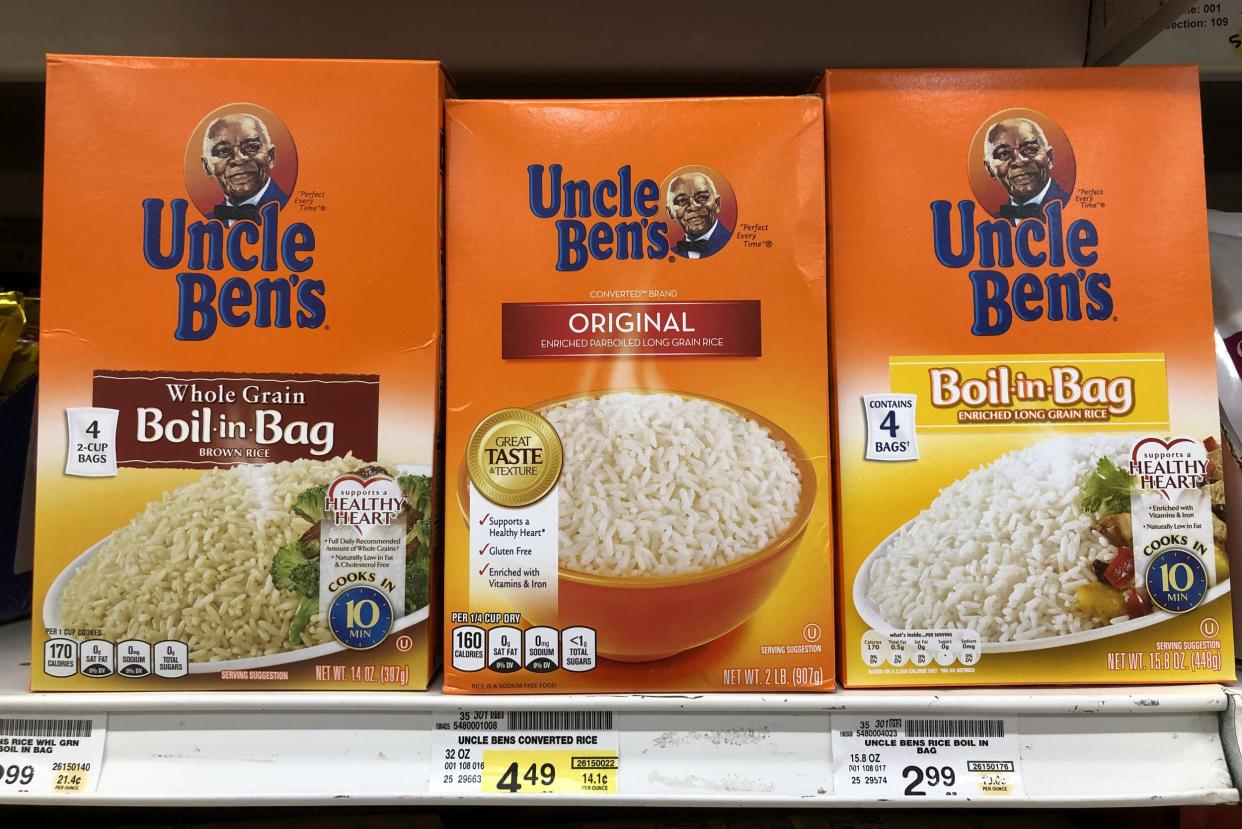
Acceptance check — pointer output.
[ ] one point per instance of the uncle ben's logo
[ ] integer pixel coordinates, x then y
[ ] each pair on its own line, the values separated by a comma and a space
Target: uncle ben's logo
240, 165
1021, 169
625, 217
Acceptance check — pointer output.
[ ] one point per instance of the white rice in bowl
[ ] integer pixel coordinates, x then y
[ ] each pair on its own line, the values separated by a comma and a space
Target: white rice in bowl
194, 565
658, 484
1003, 550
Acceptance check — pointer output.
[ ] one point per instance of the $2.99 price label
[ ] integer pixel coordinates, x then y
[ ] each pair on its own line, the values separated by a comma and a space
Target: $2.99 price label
525, 752
43, 756
916, 759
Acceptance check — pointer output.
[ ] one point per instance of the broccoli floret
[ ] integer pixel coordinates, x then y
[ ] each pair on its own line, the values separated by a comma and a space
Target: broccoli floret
294, 571
417, 583
287, 559
305, 579
301, 618
420, 531
309, 504
417, 490
418, 493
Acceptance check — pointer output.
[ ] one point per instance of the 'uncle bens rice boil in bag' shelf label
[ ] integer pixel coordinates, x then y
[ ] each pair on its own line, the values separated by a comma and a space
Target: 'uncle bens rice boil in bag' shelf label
240, 376
637, 429
1030, 482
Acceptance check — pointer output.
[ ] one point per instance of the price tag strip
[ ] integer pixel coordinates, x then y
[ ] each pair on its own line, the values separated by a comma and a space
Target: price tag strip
42, 756
911, 759
525, 752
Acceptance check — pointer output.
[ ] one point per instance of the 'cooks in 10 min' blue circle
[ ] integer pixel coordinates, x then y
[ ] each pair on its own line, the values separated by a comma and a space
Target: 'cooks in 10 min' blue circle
360, 617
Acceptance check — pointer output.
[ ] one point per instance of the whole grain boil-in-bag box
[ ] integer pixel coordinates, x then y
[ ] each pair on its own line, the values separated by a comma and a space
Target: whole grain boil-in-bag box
1030, 479
237, 484
637, 429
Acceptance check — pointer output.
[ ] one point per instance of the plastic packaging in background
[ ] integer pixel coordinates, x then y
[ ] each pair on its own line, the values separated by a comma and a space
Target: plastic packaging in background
1225, 233
17, 503
19, 351
12, 322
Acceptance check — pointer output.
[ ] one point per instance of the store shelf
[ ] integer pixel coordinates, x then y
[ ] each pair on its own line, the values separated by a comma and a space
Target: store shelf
1079, 747
561, 44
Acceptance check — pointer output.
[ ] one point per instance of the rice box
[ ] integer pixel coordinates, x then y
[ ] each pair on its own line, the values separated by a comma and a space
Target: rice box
1029, 475
237, 464
637, 425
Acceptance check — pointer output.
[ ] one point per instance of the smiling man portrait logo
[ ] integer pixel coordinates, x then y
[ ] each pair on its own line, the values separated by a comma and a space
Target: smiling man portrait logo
238, 152
1016, 153
693, 201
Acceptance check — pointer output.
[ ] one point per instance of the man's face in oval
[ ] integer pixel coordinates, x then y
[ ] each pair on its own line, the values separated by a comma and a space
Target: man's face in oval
238, 157
692, 204
1020, 159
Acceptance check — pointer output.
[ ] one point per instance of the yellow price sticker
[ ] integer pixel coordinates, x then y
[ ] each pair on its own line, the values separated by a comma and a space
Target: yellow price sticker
997, 785
553, 771
70, 782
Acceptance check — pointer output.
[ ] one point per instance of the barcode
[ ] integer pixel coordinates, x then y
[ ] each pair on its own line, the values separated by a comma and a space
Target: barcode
560, 720
11, 727
955, 728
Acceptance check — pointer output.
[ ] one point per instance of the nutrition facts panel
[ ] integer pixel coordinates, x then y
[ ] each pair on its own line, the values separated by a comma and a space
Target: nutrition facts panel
921, 648
506, 649
100, 658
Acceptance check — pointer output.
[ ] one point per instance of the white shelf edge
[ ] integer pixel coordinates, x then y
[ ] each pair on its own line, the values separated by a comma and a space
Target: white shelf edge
1173, 699
1214, 797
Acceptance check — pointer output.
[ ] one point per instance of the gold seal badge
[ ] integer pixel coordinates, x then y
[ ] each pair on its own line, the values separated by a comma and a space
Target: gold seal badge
514, 457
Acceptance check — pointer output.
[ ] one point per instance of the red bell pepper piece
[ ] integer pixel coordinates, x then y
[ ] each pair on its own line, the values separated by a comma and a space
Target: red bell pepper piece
1120, 572
1138, 603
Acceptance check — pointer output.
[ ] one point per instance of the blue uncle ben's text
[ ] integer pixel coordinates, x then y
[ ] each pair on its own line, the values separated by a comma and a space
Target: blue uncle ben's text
1000, 301
206, 247
606, 201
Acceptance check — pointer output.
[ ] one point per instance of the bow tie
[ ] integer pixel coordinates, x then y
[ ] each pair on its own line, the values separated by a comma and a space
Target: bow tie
1017, 212
698, 246
225, 212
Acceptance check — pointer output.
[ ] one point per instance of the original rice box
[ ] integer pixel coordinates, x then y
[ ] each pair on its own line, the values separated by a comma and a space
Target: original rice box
241, 335
637, 409
1029, 480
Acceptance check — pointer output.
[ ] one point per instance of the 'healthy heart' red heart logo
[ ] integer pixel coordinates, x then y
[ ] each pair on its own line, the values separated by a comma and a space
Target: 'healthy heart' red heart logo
363, 503
1169, 467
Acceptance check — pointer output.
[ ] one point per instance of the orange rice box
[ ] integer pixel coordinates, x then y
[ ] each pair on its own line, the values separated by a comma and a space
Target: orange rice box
237, 463
637, 419
1029, 479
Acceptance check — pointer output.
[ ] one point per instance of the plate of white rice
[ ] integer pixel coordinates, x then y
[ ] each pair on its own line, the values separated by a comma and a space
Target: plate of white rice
1001, 552
194, 567
658, 484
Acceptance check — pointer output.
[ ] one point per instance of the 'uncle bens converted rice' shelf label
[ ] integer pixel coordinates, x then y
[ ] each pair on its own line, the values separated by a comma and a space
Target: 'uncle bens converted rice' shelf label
1033, 491
637, 420
244, 493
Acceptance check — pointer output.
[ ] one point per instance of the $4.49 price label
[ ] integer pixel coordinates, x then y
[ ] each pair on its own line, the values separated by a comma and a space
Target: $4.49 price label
525, 752
915, 759
42, 756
